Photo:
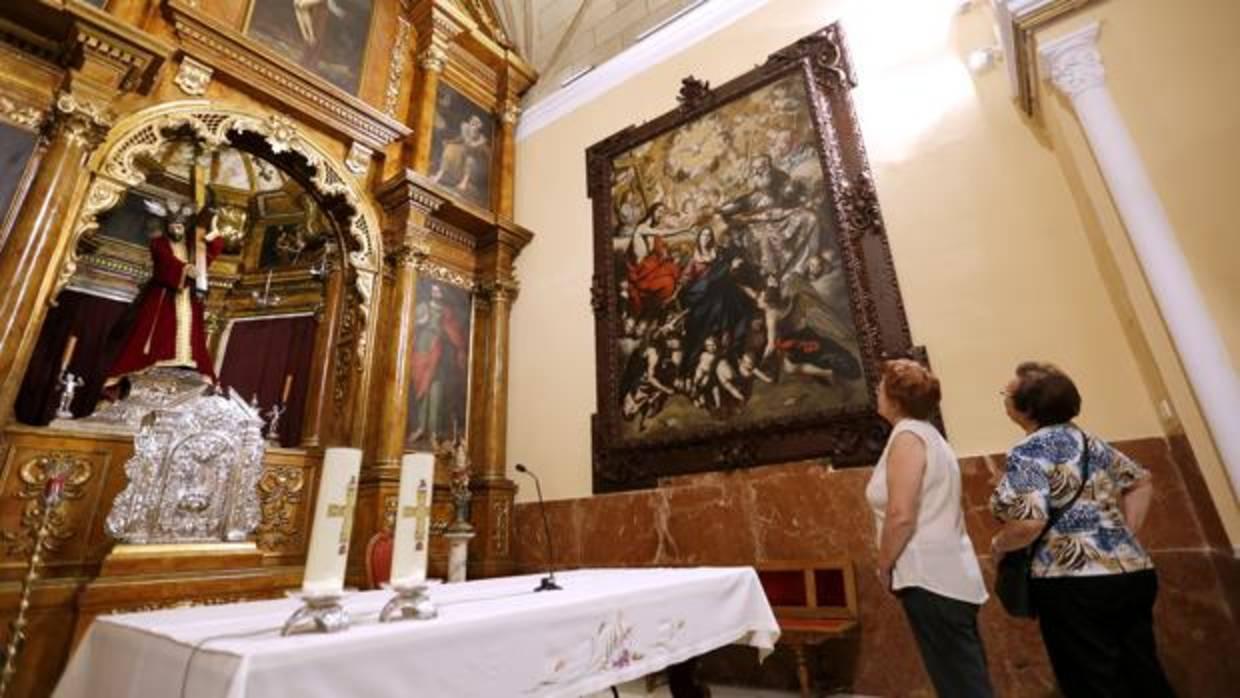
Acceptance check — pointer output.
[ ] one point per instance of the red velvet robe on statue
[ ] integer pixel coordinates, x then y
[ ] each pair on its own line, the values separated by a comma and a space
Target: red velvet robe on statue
167, 301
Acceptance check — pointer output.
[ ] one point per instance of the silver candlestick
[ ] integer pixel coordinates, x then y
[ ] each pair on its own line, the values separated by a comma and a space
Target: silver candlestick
320, 613
273, 423
69, 384
411, 602
266, 299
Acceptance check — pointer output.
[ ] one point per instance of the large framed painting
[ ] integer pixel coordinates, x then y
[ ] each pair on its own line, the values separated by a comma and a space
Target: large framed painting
326, 37
744, 292
440, 392
461, 147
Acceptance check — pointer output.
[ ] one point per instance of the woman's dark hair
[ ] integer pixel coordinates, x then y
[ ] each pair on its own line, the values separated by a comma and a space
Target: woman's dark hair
1045, 394
912, 387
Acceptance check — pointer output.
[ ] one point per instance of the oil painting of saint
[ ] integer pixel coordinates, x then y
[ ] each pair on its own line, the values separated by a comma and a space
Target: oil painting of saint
462, 146
733, 302
326, 37
438, 396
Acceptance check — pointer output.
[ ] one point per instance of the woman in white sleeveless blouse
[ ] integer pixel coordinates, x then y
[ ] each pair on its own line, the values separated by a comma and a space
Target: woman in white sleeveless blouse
924, 555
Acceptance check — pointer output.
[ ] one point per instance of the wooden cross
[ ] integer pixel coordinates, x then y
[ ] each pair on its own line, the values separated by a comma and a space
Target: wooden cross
422, 513
345, 511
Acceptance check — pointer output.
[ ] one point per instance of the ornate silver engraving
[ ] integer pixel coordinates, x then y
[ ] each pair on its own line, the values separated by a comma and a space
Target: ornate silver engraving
194, 474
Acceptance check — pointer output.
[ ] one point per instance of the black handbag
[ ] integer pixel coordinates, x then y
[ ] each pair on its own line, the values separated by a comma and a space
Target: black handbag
1012, 576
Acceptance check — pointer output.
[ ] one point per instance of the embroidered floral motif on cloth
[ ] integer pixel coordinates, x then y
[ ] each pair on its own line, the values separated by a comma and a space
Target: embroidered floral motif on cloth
1091, 538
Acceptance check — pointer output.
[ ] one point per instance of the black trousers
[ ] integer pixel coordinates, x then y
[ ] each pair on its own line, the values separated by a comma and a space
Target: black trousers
951, 648
1099, 633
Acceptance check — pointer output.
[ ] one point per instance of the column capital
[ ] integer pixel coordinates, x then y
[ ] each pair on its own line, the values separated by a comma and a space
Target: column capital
432, 58
83, 122
1073, 63
510, 112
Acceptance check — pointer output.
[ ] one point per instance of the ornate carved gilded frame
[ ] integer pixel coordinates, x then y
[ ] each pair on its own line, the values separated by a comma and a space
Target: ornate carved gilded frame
113, 168
843, 436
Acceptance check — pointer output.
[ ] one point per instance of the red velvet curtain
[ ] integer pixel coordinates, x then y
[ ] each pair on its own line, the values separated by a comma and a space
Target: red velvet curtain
260, 355
90, 319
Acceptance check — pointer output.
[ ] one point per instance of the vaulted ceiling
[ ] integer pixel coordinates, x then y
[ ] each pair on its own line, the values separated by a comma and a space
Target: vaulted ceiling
562, 37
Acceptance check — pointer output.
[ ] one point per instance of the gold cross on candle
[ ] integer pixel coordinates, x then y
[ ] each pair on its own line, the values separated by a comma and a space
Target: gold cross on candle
422, 513
345, 511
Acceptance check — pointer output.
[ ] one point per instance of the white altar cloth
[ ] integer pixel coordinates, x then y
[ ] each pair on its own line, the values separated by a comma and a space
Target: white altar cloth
493, 638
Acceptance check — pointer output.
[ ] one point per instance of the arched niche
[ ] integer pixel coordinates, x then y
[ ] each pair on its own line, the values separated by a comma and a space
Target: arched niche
116, 168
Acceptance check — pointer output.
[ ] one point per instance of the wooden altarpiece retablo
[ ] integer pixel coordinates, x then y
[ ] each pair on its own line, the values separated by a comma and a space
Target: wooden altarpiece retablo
361, 166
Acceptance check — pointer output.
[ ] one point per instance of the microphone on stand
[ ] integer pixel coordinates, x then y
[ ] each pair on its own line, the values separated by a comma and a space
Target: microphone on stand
548, 582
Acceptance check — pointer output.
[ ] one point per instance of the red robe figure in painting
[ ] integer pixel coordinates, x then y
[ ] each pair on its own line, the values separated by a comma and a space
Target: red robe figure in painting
167, 326
440, 350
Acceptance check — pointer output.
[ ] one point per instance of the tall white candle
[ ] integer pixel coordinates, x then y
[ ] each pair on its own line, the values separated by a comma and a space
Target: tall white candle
333, 522
413, 518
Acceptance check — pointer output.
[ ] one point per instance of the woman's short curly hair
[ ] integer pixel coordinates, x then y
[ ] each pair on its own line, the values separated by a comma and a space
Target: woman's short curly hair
1045, 394
912, 387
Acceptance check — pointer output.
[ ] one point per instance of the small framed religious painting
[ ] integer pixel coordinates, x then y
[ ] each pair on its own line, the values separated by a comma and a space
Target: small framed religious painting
326, 37
461, 147
744, 292
439, 395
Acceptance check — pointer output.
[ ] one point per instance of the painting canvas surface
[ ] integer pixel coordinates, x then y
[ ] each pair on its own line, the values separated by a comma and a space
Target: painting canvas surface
462, 146
326, 37
734, 304
440, 390
16, 145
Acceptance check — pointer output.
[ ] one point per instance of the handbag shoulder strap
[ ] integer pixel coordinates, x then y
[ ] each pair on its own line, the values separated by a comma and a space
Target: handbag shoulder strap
1054, 516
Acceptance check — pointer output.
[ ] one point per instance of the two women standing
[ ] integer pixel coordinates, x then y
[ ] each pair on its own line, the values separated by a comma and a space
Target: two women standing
1093, 585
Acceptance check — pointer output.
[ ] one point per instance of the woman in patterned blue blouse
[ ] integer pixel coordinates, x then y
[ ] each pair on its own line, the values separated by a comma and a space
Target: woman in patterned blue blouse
1093, 584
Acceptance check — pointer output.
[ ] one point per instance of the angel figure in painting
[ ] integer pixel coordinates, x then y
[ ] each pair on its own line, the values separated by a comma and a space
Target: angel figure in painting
164, 325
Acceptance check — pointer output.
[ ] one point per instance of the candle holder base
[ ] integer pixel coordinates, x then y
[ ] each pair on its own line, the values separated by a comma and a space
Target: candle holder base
319, 613
411, 602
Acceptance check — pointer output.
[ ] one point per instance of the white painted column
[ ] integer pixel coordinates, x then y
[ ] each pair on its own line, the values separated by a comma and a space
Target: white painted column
1074, 66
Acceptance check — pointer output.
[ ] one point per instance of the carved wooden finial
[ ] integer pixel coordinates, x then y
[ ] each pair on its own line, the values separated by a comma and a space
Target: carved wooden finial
693, 92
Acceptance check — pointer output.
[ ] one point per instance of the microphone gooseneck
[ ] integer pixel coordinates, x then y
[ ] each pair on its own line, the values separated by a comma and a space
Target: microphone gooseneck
548, 582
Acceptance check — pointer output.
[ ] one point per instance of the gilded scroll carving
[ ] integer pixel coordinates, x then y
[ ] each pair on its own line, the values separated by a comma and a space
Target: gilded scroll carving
193, 77
280, 493
19, 114
400, 52
33, 476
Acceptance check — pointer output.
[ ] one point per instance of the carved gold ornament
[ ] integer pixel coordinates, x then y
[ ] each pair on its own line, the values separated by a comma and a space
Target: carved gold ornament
280, 494
20, 115
359, 159
397, 70
193, 77
33, 476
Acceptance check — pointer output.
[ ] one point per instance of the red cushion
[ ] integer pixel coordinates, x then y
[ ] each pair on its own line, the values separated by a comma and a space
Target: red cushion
829, 586
784, 587
379, 559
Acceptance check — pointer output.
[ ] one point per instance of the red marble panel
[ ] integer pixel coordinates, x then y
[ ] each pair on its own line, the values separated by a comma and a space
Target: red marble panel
1199, 493
619, 530
1197, 634
706, 524
1177, 524
811, 512
530, 543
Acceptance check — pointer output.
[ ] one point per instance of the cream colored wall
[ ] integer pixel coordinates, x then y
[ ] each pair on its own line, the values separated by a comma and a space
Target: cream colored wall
1186, 135
992, 256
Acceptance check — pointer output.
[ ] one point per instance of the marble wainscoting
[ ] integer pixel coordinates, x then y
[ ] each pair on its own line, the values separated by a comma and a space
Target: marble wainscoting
808, 510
